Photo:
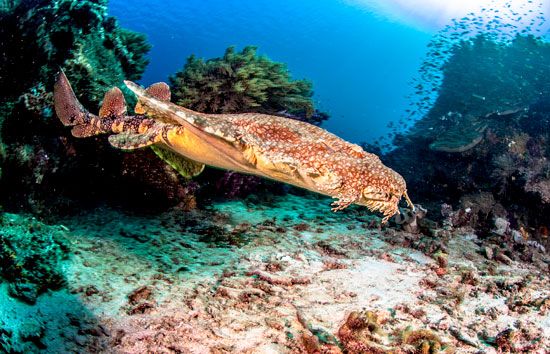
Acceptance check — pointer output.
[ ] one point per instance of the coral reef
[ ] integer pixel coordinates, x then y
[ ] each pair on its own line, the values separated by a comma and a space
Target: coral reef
241, 82
489, 30
42, 166
482, 77
486, 135
30, 256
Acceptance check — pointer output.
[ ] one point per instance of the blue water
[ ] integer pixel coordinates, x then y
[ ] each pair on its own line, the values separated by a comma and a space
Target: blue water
359, 61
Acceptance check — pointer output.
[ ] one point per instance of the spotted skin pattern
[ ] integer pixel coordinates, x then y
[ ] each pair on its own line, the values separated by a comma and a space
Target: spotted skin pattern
274, 147
334, 166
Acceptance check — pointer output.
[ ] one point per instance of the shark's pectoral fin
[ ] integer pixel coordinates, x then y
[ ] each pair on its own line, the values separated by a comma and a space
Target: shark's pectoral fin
130, 141
325, 179
185, 167
277, 169
344, 200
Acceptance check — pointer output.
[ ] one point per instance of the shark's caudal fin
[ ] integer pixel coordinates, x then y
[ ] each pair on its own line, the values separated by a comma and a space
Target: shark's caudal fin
68, 108
112, 118
72, 113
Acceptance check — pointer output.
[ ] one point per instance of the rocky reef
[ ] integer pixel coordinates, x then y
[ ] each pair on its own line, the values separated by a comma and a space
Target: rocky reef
482, 148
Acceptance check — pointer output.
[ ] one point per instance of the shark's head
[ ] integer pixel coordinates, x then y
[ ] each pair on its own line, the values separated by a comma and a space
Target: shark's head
384, 191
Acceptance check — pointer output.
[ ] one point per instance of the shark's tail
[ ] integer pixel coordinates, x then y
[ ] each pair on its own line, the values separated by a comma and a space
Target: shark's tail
85, 124
68, 108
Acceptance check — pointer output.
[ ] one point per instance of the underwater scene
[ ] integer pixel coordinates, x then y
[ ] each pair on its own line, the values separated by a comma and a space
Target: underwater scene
275, 176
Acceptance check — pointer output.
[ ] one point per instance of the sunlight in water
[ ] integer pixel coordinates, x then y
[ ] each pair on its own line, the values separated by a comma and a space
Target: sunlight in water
433, 14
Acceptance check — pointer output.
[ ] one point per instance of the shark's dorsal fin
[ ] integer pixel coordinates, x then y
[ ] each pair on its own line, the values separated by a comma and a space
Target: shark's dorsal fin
163, 111
160, 91
114, 104
185, 167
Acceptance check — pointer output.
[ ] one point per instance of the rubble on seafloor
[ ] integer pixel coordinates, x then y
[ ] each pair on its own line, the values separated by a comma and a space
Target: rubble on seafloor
284, 277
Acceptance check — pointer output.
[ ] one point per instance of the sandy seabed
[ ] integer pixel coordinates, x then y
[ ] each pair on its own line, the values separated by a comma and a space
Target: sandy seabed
291, 277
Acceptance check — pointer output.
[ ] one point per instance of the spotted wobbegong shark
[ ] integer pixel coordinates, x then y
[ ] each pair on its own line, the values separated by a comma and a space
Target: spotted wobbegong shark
274, 147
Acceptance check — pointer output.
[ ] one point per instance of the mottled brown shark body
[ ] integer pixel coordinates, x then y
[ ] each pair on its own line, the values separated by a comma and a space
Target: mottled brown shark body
274, 147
